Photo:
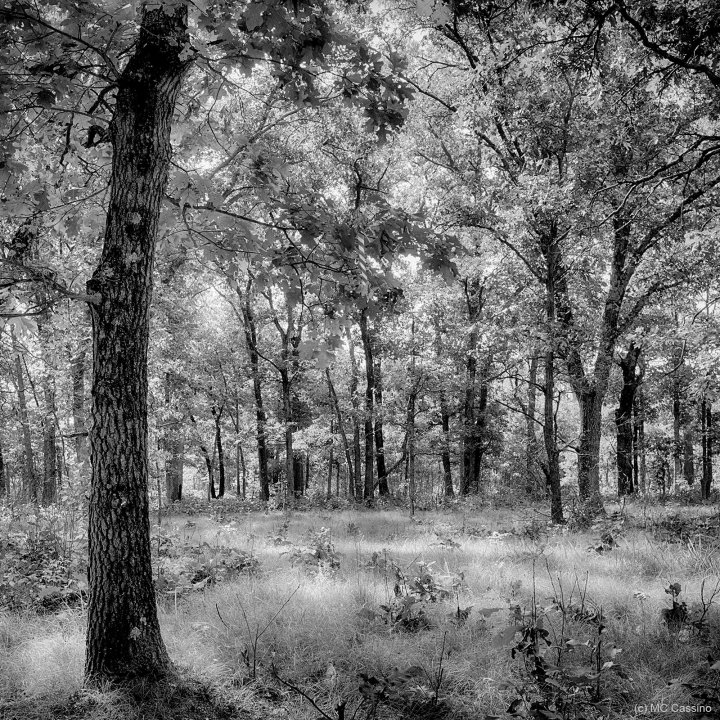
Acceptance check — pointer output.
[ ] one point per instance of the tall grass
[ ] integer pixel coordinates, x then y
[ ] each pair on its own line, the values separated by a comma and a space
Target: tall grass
320, 629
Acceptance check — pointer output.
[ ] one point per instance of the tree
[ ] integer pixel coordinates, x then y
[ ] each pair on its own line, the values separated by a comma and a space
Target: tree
632, 375
123, 633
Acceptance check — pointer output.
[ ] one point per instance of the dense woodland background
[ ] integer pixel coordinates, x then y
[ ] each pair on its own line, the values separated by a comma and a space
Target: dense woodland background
422, 275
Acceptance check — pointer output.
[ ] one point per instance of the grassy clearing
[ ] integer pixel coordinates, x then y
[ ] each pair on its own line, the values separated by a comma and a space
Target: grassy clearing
323, 629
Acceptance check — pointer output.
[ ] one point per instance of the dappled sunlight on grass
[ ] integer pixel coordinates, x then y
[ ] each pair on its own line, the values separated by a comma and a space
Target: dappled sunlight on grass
327, 600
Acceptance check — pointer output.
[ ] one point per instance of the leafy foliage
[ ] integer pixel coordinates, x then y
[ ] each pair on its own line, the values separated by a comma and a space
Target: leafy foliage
43, 561
183, 566
318, 554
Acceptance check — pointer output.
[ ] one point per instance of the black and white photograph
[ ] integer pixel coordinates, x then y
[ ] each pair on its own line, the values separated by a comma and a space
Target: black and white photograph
359, 359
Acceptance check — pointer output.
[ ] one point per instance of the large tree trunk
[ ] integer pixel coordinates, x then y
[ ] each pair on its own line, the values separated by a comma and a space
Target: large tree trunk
123, 634
369, 489
260, 415
623, 420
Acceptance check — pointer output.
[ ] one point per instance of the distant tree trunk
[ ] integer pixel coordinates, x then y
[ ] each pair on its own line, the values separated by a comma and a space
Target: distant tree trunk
50, 480
446, 464
677, 375
709, 423
217, 417
411, 421
242, 489
688, 454
4, 489
77, 372
30, 485
531, 441
240, 465
355, 480
250, 330
123, 635
677, 425
589, 446
448, 489
383, 488
552, 452
50, 450
474, 300
369, 489
292, 486
300, 477
623, 419
173, 445
480, 427
210, 471
340, 423
331, 460
550, 437
706, 424
639, 462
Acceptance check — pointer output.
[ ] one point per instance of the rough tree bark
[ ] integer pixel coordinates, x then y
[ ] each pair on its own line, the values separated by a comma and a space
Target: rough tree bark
123, 634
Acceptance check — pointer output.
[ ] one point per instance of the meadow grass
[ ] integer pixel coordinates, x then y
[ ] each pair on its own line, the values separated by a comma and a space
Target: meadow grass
321, 629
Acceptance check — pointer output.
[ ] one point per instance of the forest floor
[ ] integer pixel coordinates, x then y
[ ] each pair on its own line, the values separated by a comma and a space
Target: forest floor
365, 614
